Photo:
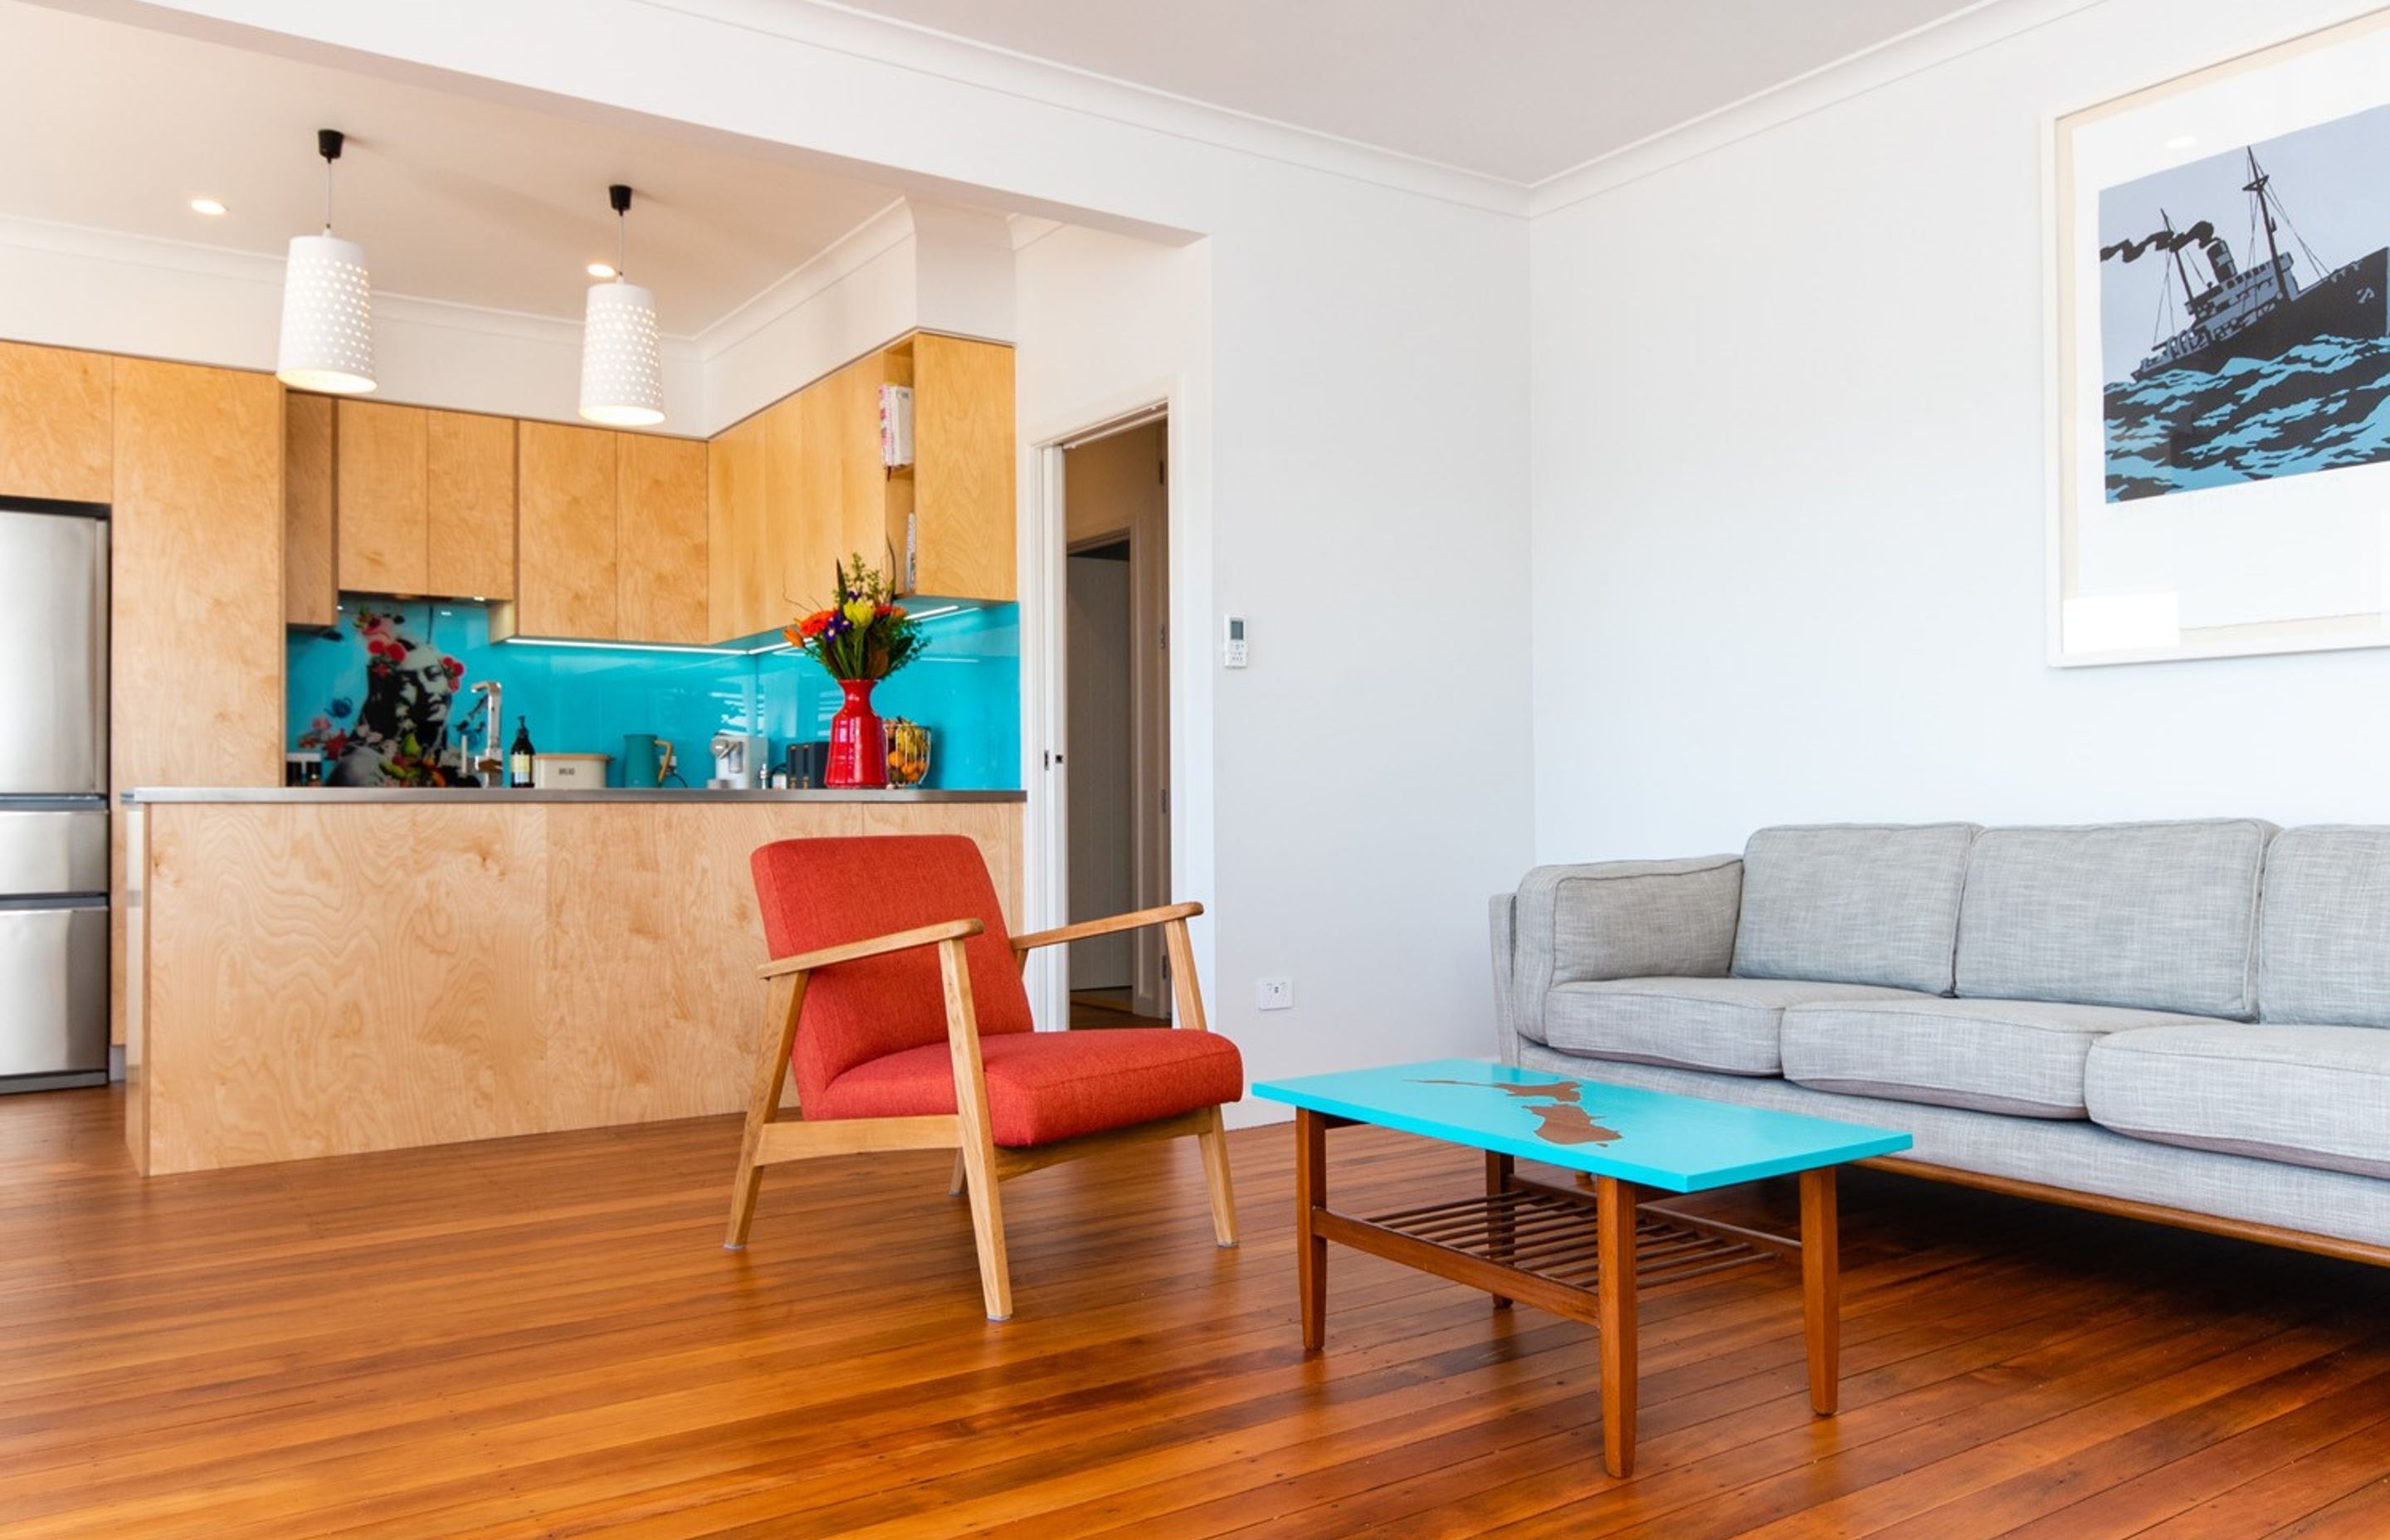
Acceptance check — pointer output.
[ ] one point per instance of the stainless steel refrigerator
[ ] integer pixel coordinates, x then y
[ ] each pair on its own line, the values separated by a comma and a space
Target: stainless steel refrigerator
53, 794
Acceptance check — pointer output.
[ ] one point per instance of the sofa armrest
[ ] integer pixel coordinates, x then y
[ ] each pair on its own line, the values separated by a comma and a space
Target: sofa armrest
1620, 919
1505, 928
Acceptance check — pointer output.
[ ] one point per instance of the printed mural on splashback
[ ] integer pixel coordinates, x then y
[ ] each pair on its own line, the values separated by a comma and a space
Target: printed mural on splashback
2241, 312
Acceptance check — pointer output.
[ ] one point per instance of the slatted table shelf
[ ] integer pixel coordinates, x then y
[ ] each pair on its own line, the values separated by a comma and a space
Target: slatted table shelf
1542, 1244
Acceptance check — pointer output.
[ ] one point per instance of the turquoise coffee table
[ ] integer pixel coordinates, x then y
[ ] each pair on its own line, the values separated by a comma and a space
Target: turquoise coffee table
1553, 1247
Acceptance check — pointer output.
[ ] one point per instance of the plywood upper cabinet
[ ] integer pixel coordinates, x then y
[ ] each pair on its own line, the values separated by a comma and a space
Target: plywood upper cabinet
196, 655
963, 504
469, 505
844, 511
660, 538
792, 446
566, 570
382, 472
310, 575
735, 529
55, 423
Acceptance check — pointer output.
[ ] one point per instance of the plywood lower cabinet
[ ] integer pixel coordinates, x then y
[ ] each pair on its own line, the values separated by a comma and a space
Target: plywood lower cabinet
55, 430
323, 979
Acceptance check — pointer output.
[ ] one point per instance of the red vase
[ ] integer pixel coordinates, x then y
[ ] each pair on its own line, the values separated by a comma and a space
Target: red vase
858, 744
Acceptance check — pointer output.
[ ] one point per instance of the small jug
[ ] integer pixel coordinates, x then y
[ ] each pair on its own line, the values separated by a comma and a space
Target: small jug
646, 760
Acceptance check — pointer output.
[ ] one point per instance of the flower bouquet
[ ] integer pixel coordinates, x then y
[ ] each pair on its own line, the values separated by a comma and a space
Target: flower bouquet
860, 639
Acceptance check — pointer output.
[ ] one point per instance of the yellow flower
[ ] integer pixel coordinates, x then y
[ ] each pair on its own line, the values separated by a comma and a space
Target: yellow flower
859, 612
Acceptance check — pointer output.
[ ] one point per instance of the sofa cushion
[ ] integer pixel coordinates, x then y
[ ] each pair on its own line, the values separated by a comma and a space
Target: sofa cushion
1620, 919
2309, 1095
2024, 1058
1860, 904
1728, 1025
2323, 927
2154, 917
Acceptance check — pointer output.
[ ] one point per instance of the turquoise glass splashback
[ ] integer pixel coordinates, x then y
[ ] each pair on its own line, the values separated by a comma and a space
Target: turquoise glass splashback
965, 687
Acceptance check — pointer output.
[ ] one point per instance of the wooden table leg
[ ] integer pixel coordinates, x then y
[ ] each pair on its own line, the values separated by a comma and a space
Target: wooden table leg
1311, 1247
1821, 1287
1615, 1232
1498, 1181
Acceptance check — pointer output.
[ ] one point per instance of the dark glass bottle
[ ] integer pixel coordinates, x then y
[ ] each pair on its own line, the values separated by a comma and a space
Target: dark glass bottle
518, 755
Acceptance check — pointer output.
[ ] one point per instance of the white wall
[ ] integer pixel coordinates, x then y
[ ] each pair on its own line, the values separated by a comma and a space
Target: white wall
1788, 488
1349, 457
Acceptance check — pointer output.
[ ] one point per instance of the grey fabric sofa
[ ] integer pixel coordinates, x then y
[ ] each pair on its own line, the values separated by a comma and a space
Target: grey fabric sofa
2187, 1022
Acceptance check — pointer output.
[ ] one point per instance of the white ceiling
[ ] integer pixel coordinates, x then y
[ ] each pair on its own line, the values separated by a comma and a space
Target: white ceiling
456, 198
1518, 89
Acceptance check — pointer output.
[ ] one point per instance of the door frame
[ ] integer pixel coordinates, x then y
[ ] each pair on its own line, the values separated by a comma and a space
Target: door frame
1045, 750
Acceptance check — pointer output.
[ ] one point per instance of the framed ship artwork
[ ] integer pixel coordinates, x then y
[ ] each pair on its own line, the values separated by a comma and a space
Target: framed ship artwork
2221, 338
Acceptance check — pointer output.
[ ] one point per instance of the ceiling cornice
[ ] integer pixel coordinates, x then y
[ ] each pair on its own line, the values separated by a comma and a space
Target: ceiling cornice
836, 28
889, 227
1982, 25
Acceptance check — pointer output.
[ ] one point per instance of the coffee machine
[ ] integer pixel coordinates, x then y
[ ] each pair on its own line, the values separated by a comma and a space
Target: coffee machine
741, 759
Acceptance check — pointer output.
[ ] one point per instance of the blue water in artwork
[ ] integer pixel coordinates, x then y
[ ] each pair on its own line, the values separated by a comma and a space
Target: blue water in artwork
2320, 406
965, 687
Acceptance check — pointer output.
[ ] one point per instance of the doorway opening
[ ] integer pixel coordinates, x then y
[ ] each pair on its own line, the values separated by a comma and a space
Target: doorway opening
1116, 690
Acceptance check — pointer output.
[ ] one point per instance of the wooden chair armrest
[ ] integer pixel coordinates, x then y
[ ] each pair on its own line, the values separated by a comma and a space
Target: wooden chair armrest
926, 935
1086, 927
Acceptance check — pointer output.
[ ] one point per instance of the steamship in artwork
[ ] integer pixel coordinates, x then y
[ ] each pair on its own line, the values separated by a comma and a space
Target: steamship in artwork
2235, 346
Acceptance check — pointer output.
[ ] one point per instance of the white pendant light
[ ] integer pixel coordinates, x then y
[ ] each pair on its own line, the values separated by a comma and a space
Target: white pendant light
327, 304
621, 371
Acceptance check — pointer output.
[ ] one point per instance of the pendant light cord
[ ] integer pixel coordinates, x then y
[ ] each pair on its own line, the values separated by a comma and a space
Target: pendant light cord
328, 143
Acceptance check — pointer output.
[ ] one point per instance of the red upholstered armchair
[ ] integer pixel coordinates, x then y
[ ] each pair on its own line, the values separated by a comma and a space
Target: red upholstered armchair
895, 997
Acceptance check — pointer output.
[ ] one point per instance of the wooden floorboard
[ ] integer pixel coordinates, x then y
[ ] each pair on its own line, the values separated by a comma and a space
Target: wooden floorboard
543, 1337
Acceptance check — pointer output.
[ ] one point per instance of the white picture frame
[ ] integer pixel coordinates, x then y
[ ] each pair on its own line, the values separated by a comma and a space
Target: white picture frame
2198, 506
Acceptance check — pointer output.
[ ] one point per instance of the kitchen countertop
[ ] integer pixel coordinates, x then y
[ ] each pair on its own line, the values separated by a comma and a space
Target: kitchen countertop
142, 795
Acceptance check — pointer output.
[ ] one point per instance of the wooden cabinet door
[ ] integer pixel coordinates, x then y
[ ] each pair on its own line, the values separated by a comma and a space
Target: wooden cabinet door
736, 515
54, 409
565, 576
469, 505
963, 469
196, 655
659, 538
788, 582
310, 572
380, 471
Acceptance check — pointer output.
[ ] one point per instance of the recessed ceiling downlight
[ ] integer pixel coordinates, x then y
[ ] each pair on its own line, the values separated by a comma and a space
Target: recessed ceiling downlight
209, 207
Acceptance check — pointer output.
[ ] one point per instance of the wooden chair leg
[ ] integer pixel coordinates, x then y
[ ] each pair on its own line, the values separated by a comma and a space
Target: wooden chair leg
961, 1177
977, 1153
1214, 1141
782, 1002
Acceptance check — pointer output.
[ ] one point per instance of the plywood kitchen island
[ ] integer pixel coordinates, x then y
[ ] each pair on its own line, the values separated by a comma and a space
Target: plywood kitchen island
317, 972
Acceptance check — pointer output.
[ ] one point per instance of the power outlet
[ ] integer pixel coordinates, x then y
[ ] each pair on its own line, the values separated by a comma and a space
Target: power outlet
1274, 994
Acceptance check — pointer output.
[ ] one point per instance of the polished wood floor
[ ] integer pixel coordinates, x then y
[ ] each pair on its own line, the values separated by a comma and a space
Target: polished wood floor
542, 1337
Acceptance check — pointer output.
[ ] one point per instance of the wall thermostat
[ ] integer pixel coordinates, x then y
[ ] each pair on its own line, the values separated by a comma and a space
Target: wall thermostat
1232, 641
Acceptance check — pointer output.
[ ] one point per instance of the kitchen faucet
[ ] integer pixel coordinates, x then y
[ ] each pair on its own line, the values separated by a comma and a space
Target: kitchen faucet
490, 764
